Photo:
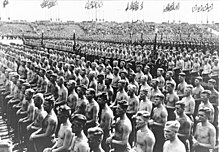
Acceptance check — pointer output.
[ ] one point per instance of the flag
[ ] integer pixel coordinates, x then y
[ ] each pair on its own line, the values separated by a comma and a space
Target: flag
44, 3
142, 6
131, 7
52, 3
194, 8
127, 8
5, 2
177, 6
210, 7
136, 5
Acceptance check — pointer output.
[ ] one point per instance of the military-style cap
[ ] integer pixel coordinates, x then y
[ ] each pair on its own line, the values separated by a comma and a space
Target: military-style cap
212, 81
199, 78
182, 74
159, 95
206, 92
172, 126
79, 118
95, 131
143, 113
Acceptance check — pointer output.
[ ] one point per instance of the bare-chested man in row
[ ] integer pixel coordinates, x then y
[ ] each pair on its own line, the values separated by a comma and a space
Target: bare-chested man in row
205, 133
145, 139
159, 118
123, 127
171, 99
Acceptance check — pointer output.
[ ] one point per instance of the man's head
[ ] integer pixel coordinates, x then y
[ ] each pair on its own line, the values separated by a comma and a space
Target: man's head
170, 86
71, 85
29, 94
90, 93
143, 79
95, 137
121, 108
141, 118
143, 93
64, 112
204, 114
170, 130
198, 80
100, 77
154, 83
180, 107
211, 83
81, 90
159, 72
102, 99
188, 90
169, 75
115, 70
131, 89
78, 122
60, 81
121, 84
205, 95
158, 99
182, 76
49, 103
38, 100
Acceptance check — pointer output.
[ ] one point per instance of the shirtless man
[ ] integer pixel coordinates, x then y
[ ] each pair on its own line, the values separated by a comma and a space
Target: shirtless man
106, 119
42, 138
63, 142
184, 132
159, 118
79, 141
115, 81
123, 128
37, 123
95, 137
169, 78
73, 96
30, 114
132, 109
196, 93
160, 79
145, 103
92, 110
100, 83
154, 90
82, 101
205, 133
121, 94
145, 139
205, 95
171, 99
45, 82
182, 85
173, 143
143, 84
189, 101
62, 92
92, 80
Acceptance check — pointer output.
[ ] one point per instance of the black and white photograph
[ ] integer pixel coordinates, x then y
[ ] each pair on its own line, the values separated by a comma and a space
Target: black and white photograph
109, 75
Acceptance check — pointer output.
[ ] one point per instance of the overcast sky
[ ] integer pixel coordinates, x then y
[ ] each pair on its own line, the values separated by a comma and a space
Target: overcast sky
112, 10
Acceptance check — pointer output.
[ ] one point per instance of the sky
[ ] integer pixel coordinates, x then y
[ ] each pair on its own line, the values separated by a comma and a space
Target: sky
112, 10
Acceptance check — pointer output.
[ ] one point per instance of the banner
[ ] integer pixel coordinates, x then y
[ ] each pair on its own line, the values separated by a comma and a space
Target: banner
93, 4
44, 3
201, 8
171, 7
5, 2
52, 3
134, 6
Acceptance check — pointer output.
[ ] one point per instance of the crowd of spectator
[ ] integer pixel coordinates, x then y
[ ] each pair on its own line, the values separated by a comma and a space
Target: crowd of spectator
107, 96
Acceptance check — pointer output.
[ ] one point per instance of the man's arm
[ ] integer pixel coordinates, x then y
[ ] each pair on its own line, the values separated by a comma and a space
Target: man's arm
150, 144
66, 142
49, 129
